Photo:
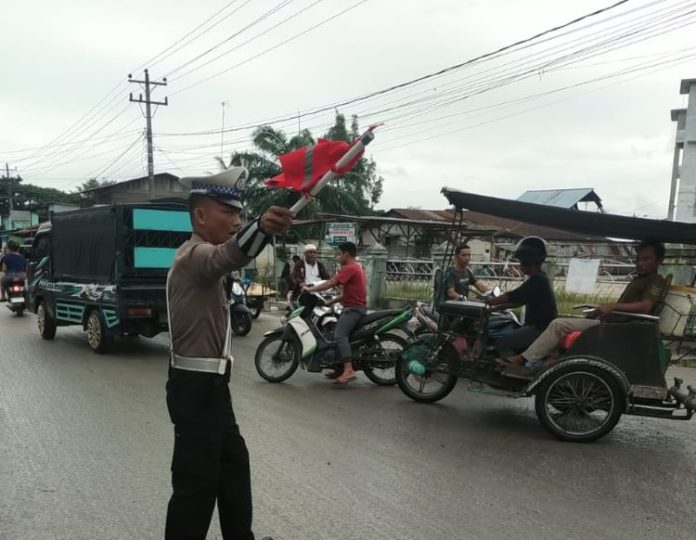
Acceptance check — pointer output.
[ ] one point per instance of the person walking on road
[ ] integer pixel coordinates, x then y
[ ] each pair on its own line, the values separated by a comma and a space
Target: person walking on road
210, 462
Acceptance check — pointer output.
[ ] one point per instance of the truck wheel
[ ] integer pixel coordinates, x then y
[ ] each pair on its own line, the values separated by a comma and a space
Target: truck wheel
46, 323
98, 341
579, 403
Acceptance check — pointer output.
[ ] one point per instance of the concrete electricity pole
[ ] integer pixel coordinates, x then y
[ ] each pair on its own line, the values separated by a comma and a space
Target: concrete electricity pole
148, 115
9, 186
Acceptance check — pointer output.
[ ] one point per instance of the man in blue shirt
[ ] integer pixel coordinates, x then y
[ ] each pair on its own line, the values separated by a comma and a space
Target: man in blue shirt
14, 265
14, 262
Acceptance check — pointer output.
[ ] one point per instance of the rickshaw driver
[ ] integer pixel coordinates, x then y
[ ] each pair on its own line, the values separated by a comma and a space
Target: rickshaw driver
536, 294
640, 296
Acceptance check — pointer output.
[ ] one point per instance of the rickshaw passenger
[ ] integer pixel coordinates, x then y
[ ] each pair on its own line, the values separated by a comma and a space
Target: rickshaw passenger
640, 296
535, 294
460, 277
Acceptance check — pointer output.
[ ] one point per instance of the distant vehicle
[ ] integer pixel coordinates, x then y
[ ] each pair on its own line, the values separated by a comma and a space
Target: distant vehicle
16, 295
240, 315
105, 268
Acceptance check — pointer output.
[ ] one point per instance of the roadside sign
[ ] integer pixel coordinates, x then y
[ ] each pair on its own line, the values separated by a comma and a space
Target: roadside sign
341, 232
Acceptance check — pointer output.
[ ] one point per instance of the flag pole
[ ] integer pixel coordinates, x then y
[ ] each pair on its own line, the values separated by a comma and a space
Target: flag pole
359, 145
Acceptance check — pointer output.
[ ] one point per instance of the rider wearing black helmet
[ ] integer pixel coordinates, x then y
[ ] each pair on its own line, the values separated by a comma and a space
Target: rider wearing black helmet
535, 294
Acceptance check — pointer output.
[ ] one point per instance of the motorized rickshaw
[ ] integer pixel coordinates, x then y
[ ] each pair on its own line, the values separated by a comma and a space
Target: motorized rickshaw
609, 370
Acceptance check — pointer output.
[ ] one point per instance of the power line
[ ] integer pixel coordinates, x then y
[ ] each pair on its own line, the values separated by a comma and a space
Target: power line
288, 40
112, 163
156, 59
253, 23
253, 38
99, 107
339, 104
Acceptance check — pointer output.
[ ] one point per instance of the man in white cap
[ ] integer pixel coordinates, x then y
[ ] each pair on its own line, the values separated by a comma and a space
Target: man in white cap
211, 461
308, 270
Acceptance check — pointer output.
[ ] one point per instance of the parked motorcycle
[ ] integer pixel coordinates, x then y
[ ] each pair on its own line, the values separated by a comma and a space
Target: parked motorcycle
499, 322
254, 303
16, 296
303, 341
240, 315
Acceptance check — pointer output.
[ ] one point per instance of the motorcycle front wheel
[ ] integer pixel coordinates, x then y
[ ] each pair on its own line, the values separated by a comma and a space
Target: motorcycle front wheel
277, 359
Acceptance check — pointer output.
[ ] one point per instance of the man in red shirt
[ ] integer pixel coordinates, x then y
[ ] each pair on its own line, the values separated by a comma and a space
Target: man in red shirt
354, 299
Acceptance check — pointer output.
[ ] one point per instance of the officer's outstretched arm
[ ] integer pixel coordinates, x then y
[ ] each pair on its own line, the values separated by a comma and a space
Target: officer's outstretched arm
213, 262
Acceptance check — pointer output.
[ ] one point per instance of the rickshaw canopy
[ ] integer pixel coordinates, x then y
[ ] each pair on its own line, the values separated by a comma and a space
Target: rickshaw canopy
576, 221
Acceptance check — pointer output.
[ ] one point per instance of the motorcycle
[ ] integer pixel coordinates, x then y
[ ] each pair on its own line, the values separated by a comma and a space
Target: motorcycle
325, 317
240, 315
16, 296
499, 322
304, 341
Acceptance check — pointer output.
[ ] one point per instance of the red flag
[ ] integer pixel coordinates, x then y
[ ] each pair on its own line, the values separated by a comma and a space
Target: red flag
304, 167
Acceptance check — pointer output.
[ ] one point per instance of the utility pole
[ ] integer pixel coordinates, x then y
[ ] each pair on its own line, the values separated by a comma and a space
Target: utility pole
148, 115
9, 186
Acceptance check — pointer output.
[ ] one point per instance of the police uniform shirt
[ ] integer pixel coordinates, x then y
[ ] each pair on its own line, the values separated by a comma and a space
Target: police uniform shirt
197, 301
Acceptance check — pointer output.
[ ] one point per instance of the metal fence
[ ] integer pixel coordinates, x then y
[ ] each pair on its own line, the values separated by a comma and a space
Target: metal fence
412, 279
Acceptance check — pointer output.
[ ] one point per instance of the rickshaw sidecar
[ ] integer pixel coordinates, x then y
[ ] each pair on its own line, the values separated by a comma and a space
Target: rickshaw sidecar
610, 370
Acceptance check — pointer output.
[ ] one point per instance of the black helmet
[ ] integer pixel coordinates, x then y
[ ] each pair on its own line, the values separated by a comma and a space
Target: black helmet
530, 250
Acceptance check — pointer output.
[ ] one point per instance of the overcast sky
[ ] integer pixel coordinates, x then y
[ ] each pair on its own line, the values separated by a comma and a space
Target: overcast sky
497, 136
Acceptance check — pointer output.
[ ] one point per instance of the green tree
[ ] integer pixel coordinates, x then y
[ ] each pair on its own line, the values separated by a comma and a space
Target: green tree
28, 197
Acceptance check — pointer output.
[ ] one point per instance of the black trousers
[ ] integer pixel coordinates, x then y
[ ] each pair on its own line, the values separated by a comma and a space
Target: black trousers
517, 340
211, 461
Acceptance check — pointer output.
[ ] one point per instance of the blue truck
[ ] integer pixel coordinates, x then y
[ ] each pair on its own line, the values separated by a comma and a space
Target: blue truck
105, 268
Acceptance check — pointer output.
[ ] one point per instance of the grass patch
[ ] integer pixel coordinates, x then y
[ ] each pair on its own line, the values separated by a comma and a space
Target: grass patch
422, 292
565, 301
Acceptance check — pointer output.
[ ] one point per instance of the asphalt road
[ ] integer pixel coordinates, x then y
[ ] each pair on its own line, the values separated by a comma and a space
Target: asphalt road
85, 449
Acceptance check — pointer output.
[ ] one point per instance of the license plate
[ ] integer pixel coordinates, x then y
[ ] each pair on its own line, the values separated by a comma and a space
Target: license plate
16, 300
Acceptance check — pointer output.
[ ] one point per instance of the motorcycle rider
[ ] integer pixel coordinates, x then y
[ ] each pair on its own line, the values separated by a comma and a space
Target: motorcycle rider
536, 294
14, 266
351, 277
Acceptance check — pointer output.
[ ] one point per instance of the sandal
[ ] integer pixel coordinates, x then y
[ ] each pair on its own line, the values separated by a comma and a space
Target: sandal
342, 379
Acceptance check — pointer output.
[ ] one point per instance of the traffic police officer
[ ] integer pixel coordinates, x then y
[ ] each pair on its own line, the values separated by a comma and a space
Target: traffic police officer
211, 461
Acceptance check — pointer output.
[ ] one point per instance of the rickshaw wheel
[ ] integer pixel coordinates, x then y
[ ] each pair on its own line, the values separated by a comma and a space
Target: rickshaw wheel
427, 388
579, 403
